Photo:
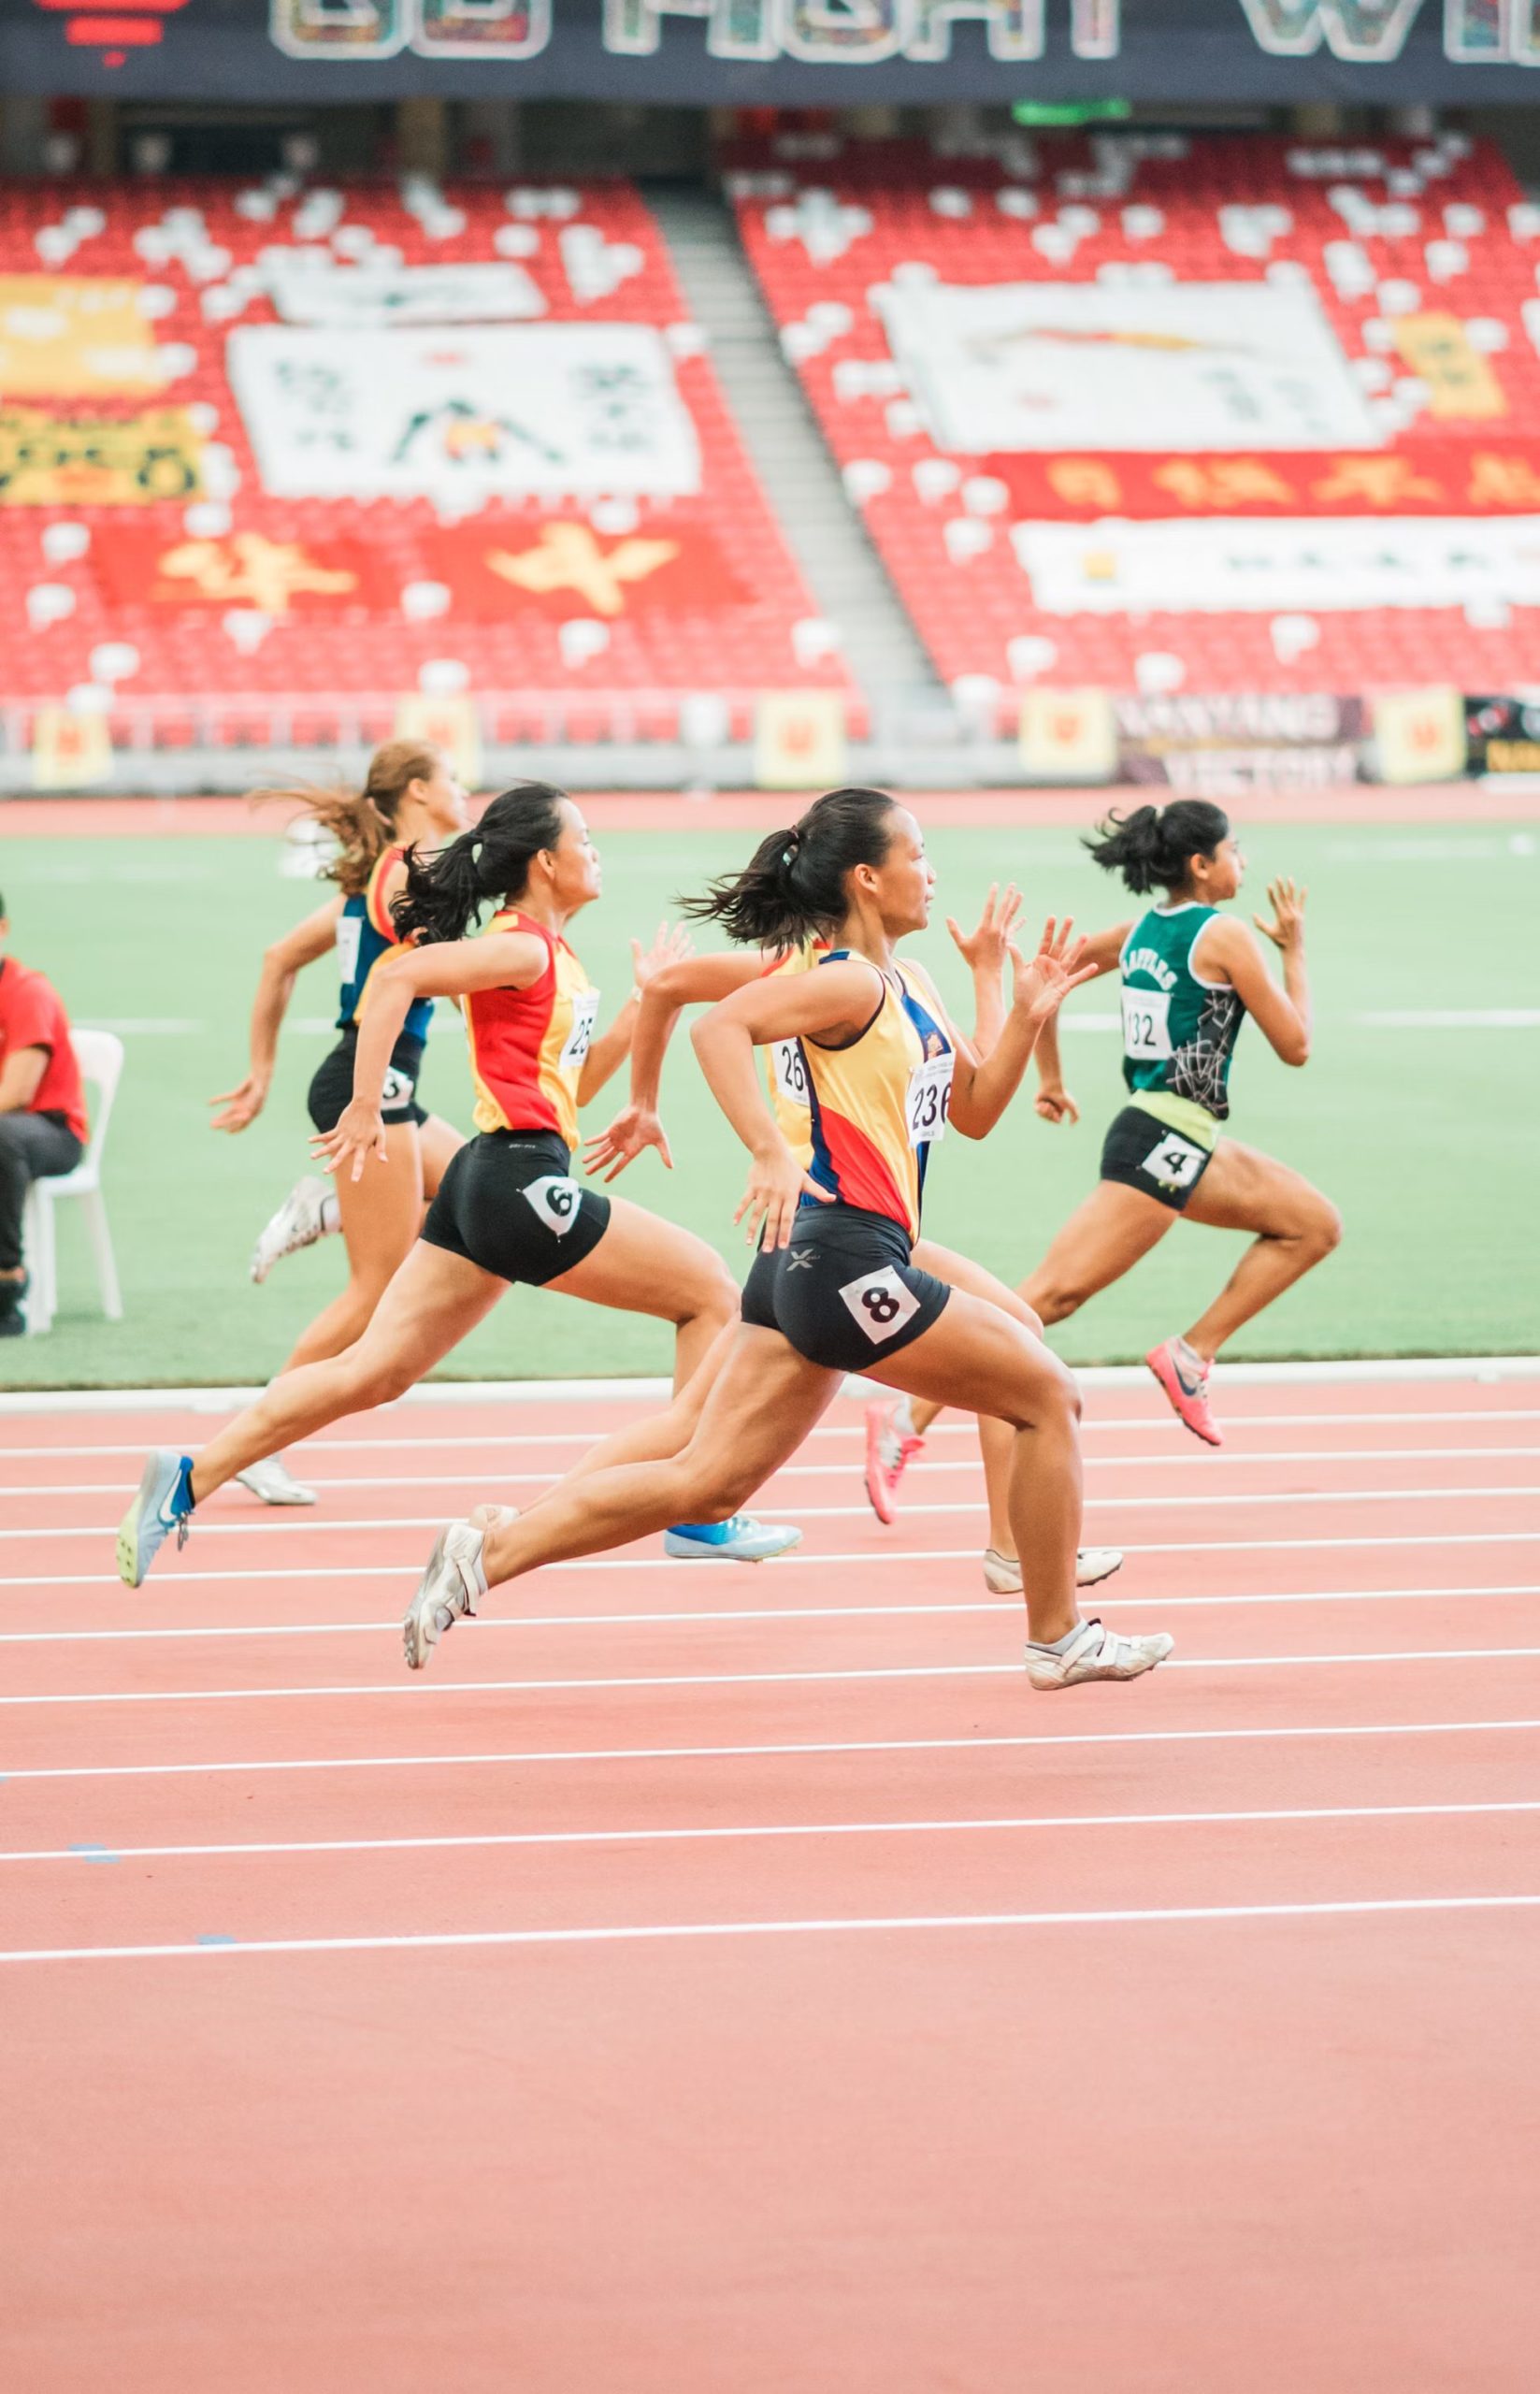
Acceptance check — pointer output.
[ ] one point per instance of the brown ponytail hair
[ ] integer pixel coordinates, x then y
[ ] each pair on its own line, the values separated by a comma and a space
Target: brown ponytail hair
363, 824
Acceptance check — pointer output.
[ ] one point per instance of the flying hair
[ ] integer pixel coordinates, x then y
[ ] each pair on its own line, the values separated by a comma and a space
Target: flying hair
362, 823
1151, 847
793, 886
446, 890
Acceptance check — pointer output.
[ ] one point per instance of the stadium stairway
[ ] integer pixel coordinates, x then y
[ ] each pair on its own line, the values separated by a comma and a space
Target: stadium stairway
909, 706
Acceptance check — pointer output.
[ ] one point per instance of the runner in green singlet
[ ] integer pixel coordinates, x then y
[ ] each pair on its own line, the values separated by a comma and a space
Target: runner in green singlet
1190, 975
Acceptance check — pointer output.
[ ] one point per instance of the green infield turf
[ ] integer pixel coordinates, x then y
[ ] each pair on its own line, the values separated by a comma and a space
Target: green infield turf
1423, 1130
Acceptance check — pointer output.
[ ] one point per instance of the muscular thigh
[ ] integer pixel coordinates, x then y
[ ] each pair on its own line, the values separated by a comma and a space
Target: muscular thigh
978, 1357
961, 1272
432, 1303
382, 1209
761, 1405
1243, 1189
643, 1265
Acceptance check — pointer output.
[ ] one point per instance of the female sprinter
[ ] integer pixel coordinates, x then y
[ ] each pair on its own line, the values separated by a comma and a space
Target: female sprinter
705, 980
409, 795
1191, 974
507, 1209
834, 1287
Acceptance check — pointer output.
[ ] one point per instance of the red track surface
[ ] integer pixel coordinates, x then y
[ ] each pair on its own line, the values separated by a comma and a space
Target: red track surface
718, 1980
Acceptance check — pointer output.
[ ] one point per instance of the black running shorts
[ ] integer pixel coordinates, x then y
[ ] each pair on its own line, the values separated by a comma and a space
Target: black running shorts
508, 1202
331, 1088
845, 1292
1146, 1154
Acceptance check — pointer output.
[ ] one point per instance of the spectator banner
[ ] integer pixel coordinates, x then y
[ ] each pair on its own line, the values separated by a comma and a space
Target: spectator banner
551, 411
1176, 367
75, 337
1068, 736
1317, 567
69, 751
562, 567
309, 286
1461, 384
1419, 736
239, 569
1451, 478
1223, 746
98, 461
799, 740
1502, 735
451, 724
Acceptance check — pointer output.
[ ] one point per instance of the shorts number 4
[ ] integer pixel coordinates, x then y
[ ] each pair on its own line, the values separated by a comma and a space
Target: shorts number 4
1175, 1164
881, 1304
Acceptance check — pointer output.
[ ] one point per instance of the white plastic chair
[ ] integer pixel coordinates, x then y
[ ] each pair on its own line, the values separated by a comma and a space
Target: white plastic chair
100, 1056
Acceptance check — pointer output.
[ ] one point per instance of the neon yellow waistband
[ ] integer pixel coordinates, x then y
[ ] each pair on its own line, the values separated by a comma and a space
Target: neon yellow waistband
1179, 1114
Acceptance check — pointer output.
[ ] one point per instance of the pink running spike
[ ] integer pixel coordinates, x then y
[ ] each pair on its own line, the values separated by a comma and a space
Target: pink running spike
1187, 1389
888, 1452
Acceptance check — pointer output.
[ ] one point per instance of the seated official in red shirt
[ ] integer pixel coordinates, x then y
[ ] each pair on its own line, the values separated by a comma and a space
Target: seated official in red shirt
42, 1110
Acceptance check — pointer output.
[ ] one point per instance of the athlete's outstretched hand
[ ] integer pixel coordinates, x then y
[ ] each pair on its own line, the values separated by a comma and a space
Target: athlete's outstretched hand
359, 1133
671, 944
243, 1104
1055, 1104
986, 948
770, 1201
1286, 928
1059, 966
633, 1128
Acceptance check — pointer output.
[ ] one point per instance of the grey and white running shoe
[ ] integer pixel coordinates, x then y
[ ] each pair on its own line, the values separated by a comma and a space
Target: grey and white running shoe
1002, 1572
271, 1481
299, 1221
1095, 1652
451, 1589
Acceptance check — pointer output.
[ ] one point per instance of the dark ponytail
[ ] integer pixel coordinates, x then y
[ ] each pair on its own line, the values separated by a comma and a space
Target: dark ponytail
446, 889
794, 883
1151, 846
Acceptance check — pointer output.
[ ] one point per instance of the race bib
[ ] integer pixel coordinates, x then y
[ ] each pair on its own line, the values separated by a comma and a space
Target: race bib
1147, 1025
581, 1037
790, 1067
1175, 1164
349, 931
880, 1302
556, 1199
396, 1089
928, 1099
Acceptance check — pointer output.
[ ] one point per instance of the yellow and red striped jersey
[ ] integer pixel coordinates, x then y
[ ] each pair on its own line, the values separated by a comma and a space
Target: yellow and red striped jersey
878, 1104
527, 1046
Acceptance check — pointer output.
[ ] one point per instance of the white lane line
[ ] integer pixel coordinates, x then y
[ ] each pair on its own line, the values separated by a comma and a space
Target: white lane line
1321, 1419
967, 1464
774, 1613
418, 1688
867, 1558
776, 1829
801, 1748
676, 1931
303, 1524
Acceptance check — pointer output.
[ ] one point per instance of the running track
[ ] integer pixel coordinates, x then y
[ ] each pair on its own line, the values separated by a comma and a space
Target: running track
710, 1980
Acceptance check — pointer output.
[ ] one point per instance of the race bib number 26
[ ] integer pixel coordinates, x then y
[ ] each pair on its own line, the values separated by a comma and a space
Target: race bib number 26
790, 1067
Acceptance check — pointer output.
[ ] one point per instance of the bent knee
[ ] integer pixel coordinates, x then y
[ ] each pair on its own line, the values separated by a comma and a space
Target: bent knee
713, 1294
1321, 1228
716, 1497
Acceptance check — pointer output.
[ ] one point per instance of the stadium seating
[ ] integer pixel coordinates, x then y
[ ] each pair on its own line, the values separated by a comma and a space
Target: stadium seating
1393, 239
303, 618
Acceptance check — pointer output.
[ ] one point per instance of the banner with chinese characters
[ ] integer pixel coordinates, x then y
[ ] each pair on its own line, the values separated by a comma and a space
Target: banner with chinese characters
1324, 566
1168, 367
309, 286
1486, 477
49, 460
239, 569
562, 567
463, 416
75, 337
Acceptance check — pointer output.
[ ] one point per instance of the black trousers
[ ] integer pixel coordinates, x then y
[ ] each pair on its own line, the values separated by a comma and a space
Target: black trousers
31, 1147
